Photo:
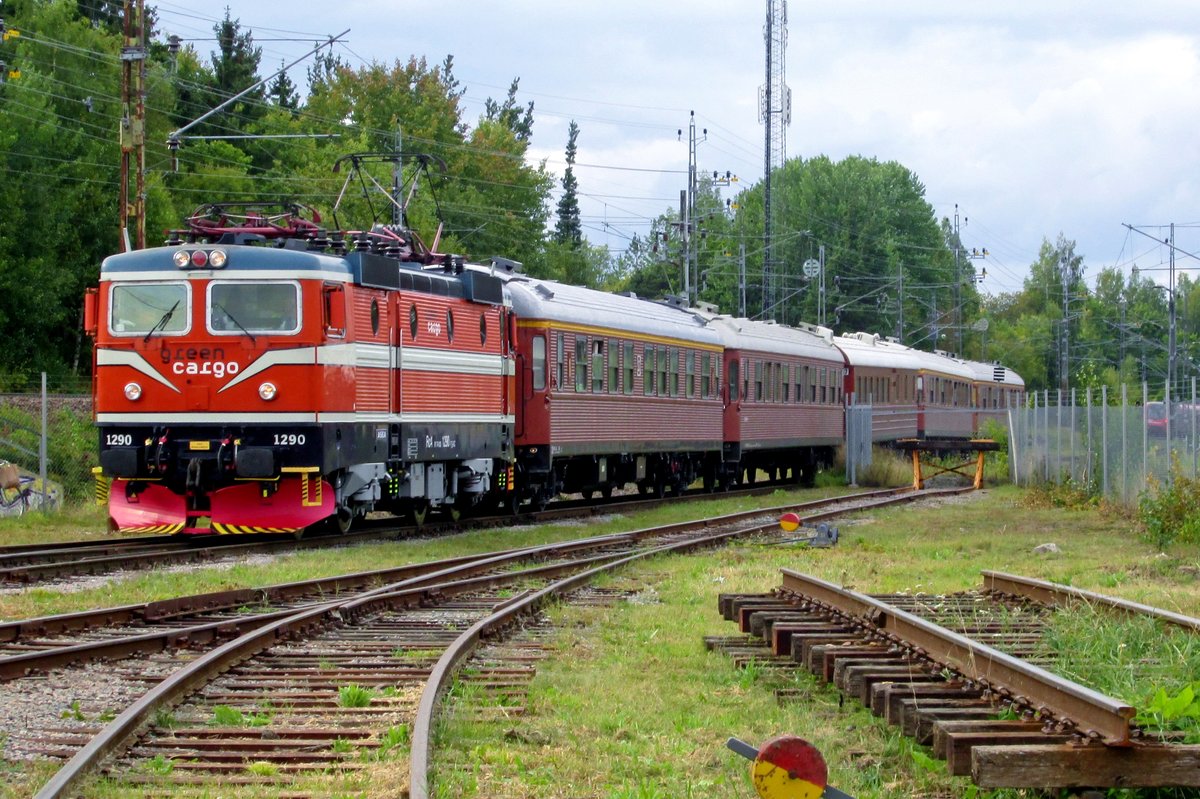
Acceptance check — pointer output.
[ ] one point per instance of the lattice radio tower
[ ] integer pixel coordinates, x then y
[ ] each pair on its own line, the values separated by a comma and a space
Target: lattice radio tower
775, 112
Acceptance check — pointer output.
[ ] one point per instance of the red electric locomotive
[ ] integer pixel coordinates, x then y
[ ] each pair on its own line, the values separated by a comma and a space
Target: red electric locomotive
248, 381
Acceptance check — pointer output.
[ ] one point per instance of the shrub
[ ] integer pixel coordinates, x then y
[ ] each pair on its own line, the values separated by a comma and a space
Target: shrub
1171, 513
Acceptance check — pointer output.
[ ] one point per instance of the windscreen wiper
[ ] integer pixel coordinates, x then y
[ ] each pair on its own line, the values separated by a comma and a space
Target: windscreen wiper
162, 323
233, 319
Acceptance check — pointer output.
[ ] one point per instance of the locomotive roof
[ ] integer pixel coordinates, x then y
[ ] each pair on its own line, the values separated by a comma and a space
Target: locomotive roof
748, 334
558, 302
157, 263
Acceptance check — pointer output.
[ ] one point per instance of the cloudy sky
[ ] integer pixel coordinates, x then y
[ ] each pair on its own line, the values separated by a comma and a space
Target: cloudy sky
1033, 117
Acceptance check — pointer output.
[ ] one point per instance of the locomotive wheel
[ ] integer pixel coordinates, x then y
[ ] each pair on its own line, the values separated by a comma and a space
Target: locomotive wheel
454, 512
417, 512
343, 519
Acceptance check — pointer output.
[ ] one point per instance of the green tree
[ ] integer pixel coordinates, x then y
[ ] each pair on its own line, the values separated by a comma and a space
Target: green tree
282, 90
568, 230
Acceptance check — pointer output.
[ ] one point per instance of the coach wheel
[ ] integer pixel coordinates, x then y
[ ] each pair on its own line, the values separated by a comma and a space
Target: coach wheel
343, 519
606, 491
587, 494
454, 512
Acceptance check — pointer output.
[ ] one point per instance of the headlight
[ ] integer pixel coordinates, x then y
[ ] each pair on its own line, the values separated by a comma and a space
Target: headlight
267, 391
182, 258
217, 259
133, 392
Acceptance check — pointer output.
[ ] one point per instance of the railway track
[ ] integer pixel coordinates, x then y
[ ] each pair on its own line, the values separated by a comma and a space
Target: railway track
270, 697
963, 674
34, 563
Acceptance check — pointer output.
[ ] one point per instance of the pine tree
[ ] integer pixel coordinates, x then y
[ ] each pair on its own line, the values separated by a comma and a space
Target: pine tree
282, 91
568, 230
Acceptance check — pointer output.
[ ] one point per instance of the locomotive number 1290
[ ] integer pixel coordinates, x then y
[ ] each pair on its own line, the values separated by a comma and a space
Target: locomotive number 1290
118, 439
289, 439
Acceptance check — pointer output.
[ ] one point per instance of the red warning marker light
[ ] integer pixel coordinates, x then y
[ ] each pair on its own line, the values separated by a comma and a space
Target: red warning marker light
789, 521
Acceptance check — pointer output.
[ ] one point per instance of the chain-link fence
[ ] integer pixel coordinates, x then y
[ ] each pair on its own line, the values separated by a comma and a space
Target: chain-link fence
51, 441
1118, 446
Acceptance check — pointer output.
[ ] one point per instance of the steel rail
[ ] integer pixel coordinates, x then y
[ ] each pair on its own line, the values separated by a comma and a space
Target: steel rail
1094, 714
422, 728
1049, 593
214, 662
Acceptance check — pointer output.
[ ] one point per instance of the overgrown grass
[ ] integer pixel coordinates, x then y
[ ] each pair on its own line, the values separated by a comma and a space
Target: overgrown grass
630, 704
662, 732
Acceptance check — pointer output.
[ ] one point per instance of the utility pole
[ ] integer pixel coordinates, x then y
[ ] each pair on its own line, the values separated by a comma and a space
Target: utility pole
133, 125
957, 315
821, 286
1064, 361
688, 216
742, 280
398, 181
900, 331
775, 112
1171, 329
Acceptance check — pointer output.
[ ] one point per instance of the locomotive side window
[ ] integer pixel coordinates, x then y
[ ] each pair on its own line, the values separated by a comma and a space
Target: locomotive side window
483, 334
539, 363
140, 308
374, 316
450, 324
239, 308
412, 321
333, 306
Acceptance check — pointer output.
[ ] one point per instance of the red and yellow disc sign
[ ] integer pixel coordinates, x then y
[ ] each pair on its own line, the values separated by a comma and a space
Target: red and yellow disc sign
789, 768
789, 521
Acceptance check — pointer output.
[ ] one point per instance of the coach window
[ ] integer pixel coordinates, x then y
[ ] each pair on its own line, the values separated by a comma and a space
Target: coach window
614, 367
581, 363
733, 381
539, 363
664, 370
598, 365
241, 308
649, 369
690, 379
758, 381
560, 366
673, 373
627, 387
705, 376
136, 309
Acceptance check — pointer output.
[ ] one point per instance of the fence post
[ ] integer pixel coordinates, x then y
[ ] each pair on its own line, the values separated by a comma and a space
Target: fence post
1104, 441
42, 466
1124, 442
